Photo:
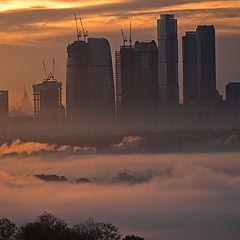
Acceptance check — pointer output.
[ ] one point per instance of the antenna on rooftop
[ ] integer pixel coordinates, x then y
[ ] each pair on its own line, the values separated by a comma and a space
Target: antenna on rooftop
45, 70
53, 66
130, 38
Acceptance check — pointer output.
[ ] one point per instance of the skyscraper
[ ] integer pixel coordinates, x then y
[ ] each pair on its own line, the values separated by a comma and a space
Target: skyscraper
4, 105
233, 94
125, 89
145, 74
168, 60
190, 68
90, 87
206, 65
136, 76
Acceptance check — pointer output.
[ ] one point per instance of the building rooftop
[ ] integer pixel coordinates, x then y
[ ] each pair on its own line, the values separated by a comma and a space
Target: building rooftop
167, 16
236, 84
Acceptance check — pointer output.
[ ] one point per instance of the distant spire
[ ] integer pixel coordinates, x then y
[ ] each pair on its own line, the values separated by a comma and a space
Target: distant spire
25, 95
25, 92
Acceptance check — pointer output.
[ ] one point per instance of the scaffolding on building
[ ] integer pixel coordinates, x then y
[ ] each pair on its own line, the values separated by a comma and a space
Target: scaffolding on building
118, 89
47, 97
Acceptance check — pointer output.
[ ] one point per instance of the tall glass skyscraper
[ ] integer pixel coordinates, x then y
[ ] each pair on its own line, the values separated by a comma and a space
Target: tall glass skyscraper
90, 86
190, 69
206, 65
168, 60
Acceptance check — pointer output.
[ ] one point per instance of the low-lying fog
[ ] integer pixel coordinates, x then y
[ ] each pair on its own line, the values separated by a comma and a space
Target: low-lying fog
157, 196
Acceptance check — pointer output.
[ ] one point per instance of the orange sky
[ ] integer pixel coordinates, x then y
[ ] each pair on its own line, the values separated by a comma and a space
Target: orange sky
32, 31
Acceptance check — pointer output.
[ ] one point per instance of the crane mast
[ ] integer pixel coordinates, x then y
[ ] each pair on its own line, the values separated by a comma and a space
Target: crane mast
85, 33
45, 70
77, 29
124, 38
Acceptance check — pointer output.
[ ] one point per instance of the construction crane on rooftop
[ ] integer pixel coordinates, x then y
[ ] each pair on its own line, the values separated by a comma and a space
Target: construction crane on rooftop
49, 76
77, 29
124, 38
85, 33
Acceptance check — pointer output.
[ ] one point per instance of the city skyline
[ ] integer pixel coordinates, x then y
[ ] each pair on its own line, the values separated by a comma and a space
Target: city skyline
30, 71
90, 73
119, 117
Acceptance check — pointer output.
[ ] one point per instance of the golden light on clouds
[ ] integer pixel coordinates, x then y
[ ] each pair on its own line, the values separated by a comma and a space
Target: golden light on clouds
20, 4
34, 20
49, 25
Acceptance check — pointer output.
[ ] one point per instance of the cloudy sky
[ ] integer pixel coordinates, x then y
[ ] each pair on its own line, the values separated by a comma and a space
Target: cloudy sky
32, 31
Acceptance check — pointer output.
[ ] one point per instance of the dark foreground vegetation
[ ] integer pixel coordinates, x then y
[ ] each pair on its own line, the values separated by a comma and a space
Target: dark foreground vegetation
50, 227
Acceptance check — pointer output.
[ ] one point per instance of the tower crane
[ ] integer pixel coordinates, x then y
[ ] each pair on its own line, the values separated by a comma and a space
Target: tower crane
49, 76
45, 70
85, 33
124, 38
77, 29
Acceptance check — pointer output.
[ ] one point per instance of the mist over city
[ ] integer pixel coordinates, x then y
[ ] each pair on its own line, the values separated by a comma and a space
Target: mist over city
119, 120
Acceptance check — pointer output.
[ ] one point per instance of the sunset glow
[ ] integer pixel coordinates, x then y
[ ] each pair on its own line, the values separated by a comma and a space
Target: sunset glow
119, 119
22, 5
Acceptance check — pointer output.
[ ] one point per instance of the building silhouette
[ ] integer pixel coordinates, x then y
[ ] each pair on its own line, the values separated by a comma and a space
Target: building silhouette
233, 94
190, 68
146, 74
4, 110
89, 80
206, 65
168, 60
136, 79
125, 88
47, 97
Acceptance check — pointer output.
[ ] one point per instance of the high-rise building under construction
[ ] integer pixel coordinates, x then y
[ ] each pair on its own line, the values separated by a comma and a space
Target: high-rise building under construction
89, 80
47, 97
136, 79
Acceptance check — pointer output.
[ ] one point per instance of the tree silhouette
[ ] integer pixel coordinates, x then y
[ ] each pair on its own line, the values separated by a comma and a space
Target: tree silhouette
7, 229
90, 230
50, 227
132, 237
46, 227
